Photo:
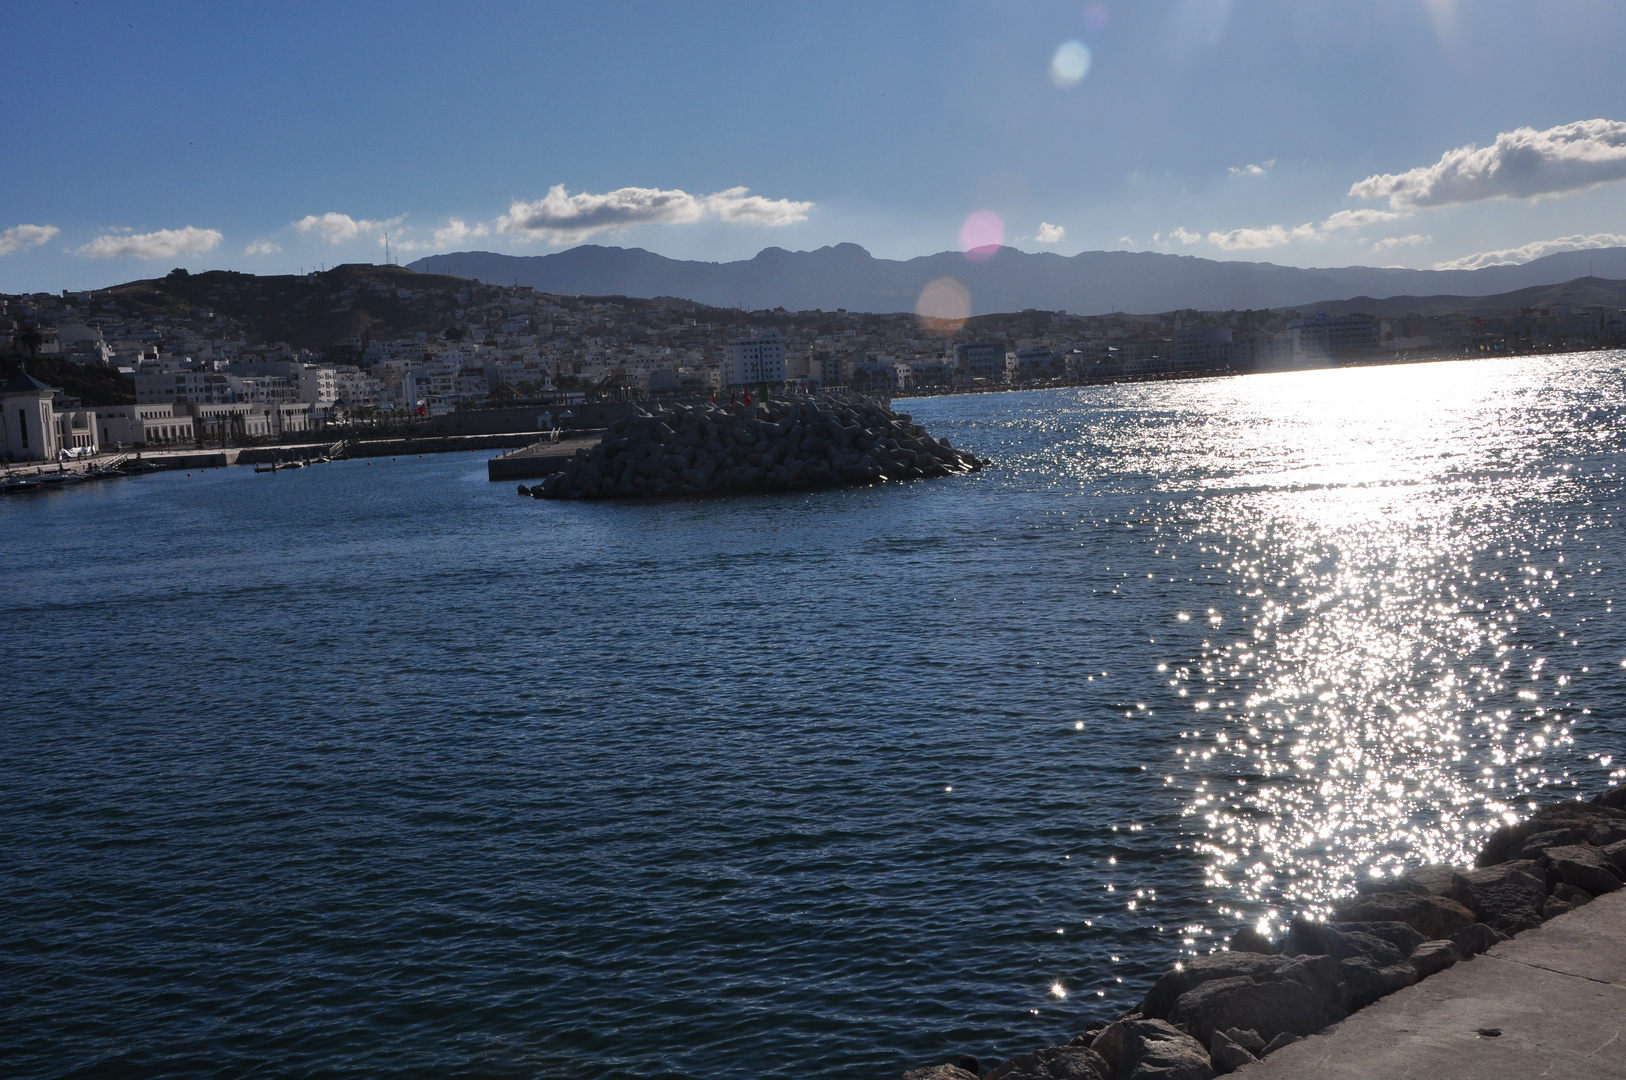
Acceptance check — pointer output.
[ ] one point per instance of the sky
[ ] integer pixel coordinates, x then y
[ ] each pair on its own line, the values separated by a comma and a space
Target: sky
280, 137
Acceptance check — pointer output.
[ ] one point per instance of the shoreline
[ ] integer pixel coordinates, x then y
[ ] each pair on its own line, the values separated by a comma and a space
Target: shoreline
1356, 996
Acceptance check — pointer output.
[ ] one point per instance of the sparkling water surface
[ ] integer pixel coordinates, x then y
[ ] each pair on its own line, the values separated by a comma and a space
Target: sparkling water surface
378, 769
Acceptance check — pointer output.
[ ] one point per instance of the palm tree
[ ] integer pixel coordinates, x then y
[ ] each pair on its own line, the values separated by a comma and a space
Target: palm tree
31, 339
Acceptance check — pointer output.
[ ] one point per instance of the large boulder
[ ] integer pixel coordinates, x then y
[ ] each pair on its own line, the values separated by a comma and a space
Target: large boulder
1267, 1007
1434, 956
1398, 934
1614, 797
1156, 1050
1509, 897
1615, 853
1055, 1063
1501, 845
1473, 940
1539, 842
1192, 973
1248, 1040
1369, 980
1338, 940
1229, 1056
1249, 940
1431, 877
1430, 915
1604, 833
1583, 866
942, 1072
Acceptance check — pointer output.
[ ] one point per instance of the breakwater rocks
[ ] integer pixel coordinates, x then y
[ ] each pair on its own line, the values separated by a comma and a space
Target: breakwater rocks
1213, 1014
777, 446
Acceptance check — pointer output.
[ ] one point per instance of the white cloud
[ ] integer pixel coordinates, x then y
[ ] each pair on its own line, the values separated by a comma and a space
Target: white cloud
456, 231
1278, 235
1252, 170
1360, 219
339, 228
1268, 237
562, 218
1185, 236
262, 247
163, 244
737, 205
1533, 250
23, 236
1050, 234
1389, 242
1521, 164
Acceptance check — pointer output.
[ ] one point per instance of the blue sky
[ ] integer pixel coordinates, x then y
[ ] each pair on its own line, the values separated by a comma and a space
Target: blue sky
276, 137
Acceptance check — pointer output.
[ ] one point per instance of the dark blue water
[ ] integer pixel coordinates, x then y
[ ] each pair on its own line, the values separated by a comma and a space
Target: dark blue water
378, 769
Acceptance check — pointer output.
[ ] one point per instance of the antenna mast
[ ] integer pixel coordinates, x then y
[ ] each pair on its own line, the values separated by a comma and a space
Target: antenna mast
387, 250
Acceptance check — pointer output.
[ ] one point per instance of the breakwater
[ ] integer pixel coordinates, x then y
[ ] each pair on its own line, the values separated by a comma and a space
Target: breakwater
777, 446
1213, 1014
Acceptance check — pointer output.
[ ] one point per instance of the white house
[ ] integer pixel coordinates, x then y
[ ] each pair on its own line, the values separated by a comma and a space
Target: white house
754, 360
28, 429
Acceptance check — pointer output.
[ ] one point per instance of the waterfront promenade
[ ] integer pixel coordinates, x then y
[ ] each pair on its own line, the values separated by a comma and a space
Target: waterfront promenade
1549, 1002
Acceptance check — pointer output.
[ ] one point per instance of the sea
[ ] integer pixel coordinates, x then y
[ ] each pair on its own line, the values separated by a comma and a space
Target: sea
378, 769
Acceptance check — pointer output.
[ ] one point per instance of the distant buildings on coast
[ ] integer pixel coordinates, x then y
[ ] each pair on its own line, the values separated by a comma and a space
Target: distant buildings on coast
196, 353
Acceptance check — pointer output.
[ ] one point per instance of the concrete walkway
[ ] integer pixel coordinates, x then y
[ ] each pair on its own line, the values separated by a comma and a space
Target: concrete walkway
1556, 993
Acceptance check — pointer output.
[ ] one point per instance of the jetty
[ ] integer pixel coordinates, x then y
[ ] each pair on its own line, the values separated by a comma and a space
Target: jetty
1550, 1002
1515, 967
538, 459
773, 446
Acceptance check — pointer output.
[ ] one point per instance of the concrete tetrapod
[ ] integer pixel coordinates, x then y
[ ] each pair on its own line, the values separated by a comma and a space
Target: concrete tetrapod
777, 446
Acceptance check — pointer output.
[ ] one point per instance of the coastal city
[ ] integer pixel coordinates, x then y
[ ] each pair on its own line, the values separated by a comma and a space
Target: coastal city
229, 358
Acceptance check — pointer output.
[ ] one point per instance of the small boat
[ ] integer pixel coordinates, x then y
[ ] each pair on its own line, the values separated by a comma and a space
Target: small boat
294, 465
19, 485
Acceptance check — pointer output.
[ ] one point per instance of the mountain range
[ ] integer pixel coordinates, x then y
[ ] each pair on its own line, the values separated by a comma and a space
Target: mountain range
1089, 283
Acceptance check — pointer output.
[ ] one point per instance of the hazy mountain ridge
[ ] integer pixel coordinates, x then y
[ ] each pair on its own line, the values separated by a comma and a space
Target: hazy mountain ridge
1583, 292
1091, 282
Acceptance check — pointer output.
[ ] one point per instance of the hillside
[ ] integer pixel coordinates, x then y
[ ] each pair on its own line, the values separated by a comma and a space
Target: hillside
1582, 292
307, 311
1092, 282
93, 384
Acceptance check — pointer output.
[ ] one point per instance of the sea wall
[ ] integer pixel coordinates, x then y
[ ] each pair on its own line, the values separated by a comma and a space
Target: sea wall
1213, 1014
777, 446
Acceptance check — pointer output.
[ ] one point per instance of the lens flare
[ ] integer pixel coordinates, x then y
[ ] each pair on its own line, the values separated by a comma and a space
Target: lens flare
1070, 64
943, 307
981, 235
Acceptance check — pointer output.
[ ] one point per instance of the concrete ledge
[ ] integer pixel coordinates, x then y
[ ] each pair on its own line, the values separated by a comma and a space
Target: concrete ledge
537, 460
1556, 993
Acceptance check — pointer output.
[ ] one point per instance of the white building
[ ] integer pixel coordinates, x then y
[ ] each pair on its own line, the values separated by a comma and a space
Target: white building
203, 387
28, 430
143, 425
754, 360
355, 387
318, 386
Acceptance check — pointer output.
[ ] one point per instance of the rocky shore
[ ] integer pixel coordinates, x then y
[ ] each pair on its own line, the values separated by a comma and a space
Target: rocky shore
1215, 1014
775, 446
